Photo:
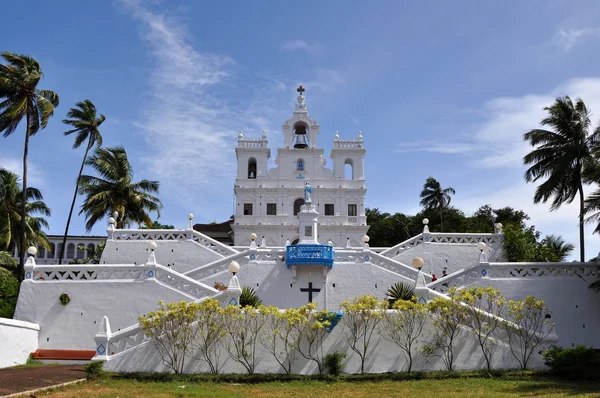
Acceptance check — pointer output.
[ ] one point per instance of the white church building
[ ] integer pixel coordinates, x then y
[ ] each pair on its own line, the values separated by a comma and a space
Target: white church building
300, 236
267, 201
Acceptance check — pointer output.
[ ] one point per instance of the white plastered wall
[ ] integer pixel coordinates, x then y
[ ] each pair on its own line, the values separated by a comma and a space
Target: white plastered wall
384, 356
18, 339
74, 325
181, 256
575, 308
455, 256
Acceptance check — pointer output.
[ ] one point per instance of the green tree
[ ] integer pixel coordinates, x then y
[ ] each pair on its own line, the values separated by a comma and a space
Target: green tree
158, 225
553, 248
115, 191
9, 292
85, 121
560, 156
484, 309
362, 315
403, 326
11, 214
20, 98
520, 243
433, 196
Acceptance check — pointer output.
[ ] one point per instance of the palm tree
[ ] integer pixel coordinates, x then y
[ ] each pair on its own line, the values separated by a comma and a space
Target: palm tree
114, 191
11, 214
20, 98
249, 297
399, 291
434, 197
85, 122
556, 247
560, 156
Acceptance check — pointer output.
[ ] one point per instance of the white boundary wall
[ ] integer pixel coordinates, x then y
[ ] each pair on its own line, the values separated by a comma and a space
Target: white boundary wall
18, 339
384, 356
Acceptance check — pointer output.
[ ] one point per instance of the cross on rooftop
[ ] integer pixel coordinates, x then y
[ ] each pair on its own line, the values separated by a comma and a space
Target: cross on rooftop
301, 89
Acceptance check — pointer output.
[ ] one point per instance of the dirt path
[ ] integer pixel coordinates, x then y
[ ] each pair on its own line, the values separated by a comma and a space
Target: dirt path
13, 380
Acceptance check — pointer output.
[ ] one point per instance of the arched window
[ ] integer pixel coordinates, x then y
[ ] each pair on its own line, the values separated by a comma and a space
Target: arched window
252, 168
91, 249
52, 250
297, 204
348, 170
80, 250
70, 250
300, 165
42, 252
295, 242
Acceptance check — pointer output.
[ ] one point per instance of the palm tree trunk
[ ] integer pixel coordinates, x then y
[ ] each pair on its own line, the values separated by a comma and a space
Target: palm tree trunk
441, 219
21, 270
581, 229
64, 243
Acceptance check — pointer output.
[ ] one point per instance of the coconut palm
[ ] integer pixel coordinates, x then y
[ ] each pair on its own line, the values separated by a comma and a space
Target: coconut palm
11, 211
85, 121
7, 261
434, 197
114, 191
560, 156
556, 248
20, 98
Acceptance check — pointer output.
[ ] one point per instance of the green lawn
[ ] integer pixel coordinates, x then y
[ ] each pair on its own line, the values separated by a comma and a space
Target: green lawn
459, 387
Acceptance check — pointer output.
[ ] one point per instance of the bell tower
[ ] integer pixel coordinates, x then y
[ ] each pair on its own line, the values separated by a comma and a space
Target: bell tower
300, 132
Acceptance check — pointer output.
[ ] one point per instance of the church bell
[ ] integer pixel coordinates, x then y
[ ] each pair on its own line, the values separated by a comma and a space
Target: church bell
300, 141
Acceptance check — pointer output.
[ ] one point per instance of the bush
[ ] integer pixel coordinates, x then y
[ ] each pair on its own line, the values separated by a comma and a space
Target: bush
335, 363
249, 298
9, 292
94, 370
64, 299
574, 363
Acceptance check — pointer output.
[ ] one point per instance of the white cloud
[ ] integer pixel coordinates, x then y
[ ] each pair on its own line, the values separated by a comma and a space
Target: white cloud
436, 147
35, 176
301, 45
497, 140
567, 38
326, 79
563, 221
189, 122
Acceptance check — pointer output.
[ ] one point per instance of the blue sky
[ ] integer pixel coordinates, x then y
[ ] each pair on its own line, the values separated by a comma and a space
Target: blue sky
443, 89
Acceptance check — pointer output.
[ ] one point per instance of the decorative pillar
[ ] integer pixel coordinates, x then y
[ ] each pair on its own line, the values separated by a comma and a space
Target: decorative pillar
150, 266
102, 339
426, 234
308, 225
190, 227
30, 263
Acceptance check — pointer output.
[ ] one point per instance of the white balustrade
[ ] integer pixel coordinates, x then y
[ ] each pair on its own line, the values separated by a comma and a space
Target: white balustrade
215, 267
253, 143
86, 272
183, 283
403, 246
173, 234
466, 277
367, 256
440, 237
347, 144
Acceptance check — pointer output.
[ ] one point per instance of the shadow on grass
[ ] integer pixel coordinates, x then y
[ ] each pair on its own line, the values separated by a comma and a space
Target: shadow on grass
542, 385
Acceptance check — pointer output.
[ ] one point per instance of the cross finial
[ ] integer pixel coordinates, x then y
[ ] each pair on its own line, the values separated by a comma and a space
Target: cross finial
301, 89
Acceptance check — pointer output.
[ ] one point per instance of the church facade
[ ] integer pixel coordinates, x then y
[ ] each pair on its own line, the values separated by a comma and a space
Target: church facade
267, 201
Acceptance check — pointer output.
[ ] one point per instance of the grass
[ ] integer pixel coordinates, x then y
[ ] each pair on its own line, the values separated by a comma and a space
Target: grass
508, 385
